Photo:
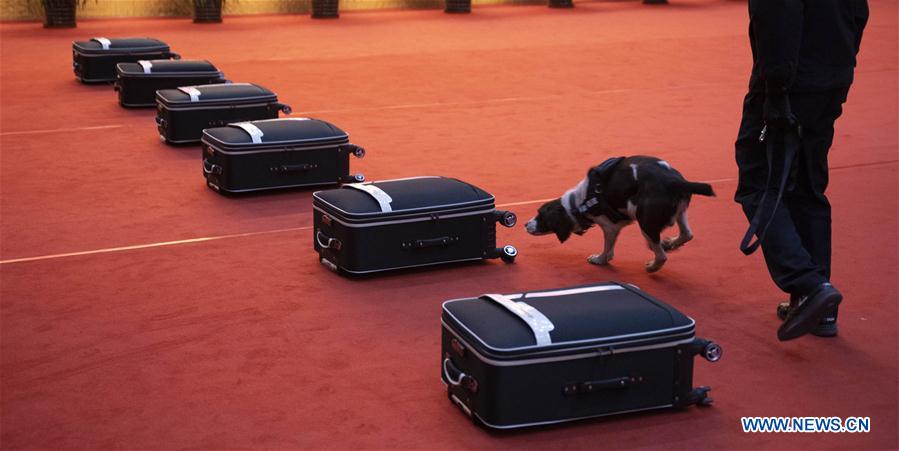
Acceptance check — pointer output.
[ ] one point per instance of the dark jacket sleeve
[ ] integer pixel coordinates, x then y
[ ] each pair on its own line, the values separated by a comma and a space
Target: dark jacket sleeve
776, 27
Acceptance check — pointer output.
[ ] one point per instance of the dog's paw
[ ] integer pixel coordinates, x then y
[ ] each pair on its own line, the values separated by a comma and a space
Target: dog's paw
599, 259
654, 265
675, 242
670, 244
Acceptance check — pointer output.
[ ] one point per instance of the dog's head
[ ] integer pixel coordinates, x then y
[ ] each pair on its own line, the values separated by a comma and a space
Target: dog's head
551, 218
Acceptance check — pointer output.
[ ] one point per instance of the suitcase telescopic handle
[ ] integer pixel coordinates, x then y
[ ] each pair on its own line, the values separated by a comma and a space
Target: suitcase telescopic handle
462, 380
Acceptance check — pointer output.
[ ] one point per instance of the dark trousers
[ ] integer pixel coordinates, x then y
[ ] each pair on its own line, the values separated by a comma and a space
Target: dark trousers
797, 246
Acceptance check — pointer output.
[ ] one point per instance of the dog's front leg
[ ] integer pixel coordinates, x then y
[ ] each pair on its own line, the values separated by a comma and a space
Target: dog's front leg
610, 232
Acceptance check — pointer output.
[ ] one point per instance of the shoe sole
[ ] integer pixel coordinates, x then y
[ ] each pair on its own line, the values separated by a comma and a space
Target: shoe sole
822, 330
825, 331
806, 320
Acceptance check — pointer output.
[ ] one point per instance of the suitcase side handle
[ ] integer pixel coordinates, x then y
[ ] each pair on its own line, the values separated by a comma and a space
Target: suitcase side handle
431, 242
289, 168
462, 380
598, 385
211, 168
173, 55
326, 242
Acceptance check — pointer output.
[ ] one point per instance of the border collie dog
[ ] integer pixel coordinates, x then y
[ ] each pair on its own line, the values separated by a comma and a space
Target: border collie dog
616, 193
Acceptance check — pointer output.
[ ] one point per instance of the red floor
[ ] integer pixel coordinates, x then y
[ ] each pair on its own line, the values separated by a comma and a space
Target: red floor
246, 341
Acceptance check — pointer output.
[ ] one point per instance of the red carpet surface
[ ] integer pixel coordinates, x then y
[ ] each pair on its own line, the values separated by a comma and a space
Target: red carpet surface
139, 309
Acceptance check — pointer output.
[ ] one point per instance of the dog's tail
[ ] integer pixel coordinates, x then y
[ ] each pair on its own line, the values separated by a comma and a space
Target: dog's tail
703, 189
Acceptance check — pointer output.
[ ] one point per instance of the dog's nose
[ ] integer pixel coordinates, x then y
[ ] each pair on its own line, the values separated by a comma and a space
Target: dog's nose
530, 226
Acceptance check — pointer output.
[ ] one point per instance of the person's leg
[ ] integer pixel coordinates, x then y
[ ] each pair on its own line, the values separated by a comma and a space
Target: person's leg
806, 201
789, 263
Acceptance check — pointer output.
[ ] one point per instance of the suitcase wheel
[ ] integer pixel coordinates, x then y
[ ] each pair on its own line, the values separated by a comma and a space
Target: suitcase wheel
509, 253
509, 219
701, 396
712, 352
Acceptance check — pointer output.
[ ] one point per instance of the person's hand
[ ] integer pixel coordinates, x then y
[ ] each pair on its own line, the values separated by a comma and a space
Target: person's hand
777, 112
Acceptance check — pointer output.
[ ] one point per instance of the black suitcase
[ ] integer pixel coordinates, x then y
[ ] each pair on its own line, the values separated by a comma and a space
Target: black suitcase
277, 153
183, 113
550, 356
392, 224
138, 82
95, 60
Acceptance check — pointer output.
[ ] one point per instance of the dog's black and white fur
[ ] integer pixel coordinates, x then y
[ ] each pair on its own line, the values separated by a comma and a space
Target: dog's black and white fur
638, 188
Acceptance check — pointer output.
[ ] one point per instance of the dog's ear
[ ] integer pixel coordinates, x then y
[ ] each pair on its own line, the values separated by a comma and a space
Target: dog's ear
556, 220
563, 234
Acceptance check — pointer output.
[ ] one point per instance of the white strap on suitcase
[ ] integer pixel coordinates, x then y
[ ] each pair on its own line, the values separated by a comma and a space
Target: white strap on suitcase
146, 65
105, 43
382, 197
192, 91
252, 130
538, 322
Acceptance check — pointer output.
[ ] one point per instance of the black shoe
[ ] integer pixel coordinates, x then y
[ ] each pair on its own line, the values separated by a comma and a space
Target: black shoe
808, 312
827, 327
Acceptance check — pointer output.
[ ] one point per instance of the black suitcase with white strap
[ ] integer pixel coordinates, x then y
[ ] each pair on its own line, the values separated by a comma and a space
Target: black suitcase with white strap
551, 356
405, 223
95, 60
183, 113
277, 153
138, 82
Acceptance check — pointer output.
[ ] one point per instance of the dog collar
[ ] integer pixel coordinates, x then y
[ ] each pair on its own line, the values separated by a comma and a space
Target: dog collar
578, 213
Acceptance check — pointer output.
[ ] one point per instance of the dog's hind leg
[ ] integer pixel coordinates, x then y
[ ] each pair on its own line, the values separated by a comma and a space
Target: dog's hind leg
652, 219
610, 231
684, 233
656, 247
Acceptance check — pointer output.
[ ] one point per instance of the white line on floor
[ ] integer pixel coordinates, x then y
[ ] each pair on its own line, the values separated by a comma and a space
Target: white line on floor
150, 245
59, 130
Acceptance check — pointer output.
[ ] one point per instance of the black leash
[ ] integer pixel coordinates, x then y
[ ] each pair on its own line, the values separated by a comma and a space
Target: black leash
791, 143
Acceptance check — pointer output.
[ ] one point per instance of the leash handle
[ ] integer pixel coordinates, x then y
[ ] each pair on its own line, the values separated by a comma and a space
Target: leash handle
791, 141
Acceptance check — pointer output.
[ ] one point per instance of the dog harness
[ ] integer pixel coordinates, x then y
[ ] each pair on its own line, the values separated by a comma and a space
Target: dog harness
593, 205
